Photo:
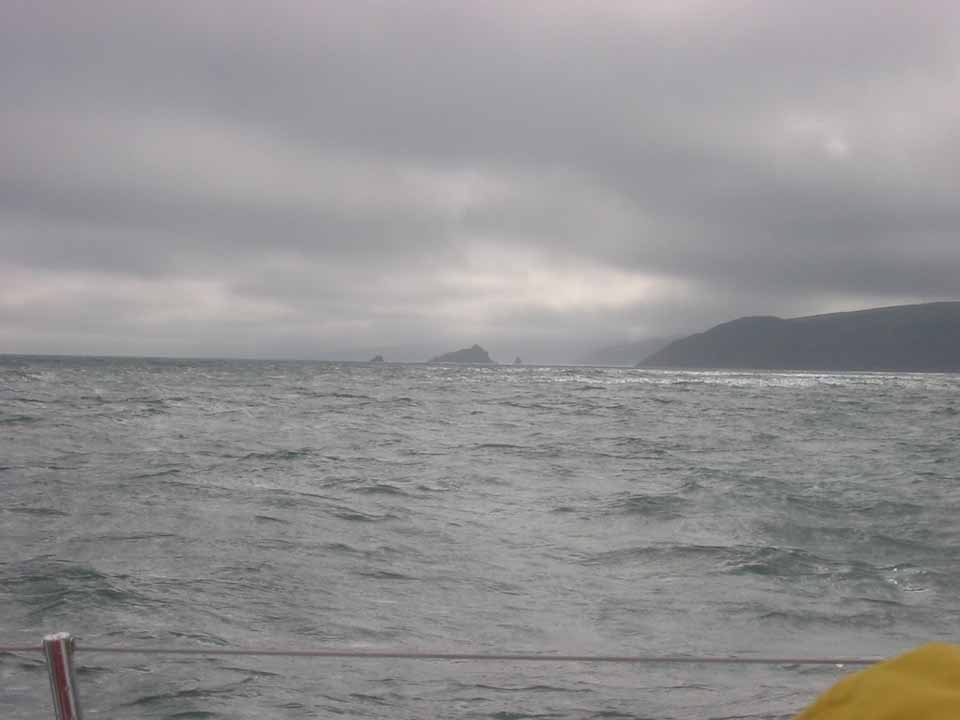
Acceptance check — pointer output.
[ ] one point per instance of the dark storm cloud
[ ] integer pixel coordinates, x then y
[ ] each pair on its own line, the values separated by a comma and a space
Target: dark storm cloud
540, 175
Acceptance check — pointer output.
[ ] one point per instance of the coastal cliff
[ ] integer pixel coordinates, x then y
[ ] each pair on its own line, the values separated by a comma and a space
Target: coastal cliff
917, 338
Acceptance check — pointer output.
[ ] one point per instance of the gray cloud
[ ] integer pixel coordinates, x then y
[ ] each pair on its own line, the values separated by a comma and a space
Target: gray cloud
211, 178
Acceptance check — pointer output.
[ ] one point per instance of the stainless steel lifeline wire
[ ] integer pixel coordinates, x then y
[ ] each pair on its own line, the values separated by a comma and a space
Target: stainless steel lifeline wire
479, 657
59, 650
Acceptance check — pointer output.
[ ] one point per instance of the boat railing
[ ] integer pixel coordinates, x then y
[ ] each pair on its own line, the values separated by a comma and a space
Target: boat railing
59, 650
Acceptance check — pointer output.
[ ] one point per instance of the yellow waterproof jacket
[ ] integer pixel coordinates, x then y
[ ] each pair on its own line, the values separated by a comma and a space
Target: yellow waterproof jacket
923, 684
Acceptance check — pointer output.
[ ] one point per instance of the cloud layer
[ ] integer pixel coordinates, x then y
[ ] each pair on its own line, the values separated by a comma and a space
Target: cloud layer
304, 179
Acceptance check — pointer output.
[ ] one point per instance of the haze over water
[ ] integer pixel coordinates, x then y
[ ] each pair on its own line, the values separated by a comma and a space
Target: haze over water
578, 510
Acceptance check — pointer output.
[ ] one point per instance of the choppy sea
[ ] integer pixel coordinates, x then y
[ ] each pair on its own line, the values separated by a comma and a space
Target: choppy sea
526, 509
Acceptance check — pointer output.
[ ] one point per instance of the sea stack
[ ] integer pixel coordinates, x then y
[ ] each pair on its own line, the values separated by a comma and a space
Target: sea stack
474, 355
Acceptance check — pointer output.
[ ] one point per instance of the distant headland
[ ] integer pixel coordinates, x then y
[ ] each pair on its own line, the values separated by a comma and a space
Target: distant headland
474, 355
909, 338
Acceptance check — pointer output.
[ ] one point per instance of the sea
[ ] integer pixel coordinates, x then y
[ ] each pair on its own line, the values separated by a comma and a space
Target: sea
510, 509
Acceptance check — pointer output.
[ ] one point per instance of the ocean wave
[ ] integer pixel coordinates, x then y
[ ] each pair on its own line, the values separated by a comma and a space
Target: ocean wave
176, 698
659, 506
339, 395
383, 575
281, 455
381, 489
786, 563
132, 537
355, 515
38, 511
169, 472
52, 589
20, 420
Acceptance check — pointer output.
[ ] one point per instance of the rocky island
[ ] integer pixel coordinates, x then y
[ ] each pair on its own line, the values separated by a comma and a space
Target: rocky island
908, 338
474, 355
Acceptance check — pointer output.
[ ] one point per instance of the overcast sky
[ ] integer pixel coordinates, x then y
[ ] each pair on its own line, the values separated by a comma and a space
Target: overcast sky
307, 178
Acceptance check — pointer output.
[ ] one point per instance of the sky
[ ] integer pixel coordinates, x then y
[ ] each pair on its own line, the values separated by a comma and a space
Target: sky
312, 179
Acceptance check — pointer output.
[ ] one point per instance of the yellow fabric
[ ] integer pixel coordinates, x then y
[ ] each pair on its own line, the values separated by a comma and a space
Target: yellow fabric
923, 684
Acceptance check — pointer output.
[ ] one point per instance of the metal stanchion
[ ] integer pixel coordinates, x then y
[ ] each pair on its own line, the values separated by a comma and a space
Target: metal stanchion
58, 649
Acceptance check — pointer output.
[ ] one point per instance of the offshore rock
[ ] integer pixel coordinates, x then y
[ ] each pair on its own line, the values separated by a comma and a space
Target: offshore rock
474, 355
